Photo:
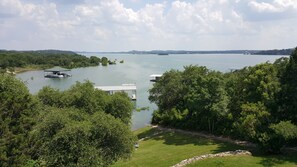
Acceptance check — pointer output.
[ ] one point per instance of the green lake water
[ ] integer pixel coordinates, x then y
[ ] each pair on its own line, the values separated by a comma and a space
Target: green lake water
137, 69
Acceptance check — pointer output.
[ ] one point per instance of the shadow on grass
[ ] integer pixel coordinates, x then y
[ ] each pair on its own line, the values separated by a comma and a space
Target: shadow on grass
149, 133
179, 139
276, 160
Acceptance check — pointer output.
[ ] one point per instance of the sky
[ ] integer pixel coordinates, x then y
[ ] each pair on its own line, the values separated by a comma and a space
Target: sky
124, 25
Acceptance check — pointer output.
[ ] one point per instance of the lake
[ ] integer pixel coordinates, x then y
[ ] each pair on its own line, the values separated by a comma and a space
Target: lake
137, 69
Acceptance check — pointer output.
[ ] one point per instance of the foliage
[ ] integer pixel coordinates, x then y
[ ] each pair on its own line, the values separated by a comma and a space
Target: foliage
81, 126
104, 61
68, 137
120, 107
83, 96
17, 111
254, 120
288, 96
285, 129
194, 97
46, 59
255, 103
279, 135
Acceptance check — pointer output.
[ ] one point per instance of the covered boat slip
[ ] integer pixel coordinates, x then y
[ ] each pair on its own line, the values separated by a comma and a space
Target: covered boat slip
130, 89
57, 72
155, 77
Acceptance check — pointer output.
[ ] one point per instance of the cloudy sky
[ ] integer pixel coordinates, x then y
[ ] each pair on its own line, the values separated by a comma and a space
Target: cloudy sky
123, 25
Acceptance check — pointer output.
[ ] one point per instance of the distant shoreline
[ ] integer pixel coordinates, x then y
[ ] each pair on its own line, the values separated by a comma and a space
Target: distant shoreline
167, 52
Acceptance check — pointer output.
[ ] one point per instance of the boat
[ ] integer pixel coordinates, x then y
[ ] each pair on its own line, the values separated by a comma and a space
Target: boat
57, 72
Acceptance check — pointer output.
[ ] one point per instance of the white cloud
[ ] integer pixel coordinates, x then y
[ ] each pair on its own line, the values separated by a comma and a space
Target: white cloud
111, 25
264, 7
275, 6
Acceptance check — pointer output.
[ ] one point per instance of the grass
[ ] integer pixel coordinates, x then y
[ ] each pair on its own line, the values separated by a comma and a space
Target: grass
168, 148
249, 161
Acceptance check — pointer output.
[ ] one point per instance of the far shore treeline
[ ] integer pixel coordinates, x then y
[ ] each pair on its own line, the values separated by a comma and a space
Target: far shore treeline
42, 59
257, 103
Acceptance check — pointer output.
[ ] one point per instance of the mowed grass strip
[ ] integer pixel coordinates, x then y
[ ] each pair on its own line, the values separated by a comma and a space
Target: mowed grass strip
287, 160
169, 148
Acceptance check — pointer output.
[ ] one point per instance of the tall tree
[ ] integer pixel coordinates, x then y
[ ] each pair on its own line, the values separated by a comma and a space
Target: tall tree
17, 112
288, 96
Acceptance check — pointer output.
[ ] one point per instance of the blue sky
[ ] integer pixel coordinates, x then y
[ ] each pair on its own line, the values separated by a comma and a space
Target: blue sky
123, 25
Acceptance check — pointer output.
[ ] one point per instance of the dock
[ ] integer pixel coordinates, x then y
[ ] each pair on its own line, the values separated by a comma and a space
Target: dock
128, 88
155, 77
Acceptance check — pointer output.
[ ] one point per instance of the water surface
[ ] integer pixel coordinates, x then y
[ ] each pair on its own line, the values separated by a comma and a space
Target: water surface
137, 69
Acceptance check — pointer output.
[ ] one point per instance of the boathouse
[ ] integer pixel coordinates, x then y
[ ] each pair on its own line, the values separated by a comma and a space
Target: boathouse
130, 89
155, 77
57, 72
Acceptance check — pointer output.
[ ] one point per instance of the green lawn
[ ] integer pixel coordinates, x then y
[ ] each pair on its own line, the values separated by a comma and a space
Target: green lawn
169, 148
249, 161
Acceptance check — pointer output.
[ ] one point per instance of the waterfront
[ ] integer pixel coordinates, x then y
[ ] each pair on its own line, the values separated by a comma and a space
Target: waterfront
137, 69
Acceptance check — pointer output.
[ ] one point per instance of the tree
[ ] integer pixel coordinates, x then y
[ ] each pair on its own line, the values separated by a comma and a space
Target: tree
253, 121
85, 97
288, 95
194, 98
204, 97
277, 136
104, 61
95, 60
69, 137
168, 91
17, 111
120, 107
50, 96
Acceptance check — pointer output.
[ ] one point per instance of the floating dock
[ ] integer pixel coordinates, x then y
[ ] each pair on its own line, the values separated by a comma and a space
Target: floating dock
122, 88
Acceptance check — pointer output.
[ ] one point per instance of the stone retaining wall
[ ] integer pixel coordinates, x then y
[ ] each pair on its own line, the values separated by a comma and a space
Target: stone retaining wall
201, 157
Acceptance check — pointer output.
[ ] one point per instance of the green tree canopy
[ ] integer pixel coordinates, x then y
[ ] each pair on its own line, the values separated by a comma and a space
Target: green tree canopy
196, 96
69, 137
17, 111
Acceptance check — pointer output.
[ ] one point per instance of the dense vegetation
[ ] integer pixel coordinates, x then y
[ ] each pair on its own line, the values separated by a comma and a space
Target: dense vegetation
255, 103
81, 126
48, 58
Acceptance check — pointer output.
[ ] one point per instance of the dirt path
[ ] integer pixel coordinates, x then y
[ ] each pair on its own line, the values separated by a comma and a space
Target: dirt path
209, 136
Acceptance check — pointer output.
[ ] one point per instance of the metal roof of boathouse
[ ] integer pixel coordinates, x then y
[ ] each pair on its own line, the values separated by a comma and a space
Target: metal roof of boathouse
56, 69
124, 87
